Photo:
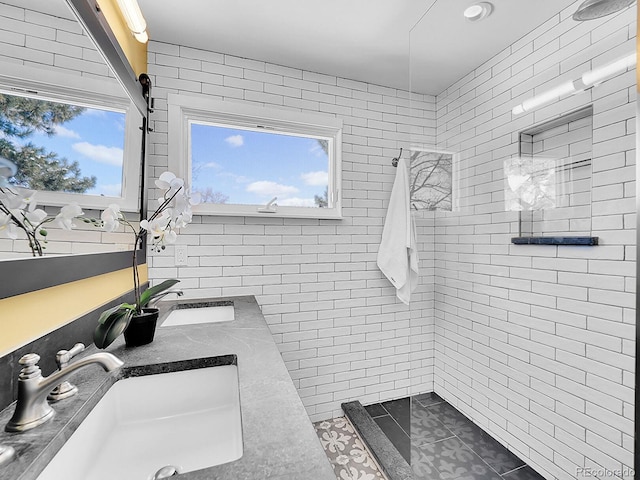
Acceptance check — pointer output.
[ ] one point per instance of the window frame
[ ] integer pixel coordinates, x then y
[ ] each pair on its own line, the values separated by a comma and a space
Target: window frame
183, 110
455, 174
91, 92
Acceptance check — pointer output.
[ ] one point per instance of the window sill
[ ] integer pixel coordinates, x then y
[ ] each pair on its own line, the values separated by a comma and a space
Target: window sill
261, 212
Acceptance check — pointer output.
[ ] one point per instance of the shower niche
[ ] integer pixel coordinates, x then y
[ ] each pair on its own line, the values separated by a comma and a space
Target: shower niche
549, 182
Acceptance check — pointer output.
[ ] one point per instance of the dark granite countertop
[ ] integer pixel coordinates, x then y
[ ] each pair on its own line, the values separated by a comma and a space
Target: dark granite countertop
279, 441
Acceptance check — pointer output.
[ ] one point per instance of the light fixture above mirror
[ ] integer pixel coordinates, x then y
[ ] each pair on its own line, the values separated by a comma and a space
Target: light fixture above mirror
135, 20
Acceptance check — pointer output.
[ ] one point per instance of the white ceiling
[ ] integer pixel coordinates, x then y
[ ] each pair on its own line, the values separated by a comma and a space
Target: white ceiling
365, 40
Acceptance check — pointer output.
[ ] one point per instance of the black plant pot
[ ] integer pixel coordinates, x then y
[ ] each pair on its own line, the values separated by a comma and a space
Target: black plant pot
141, 328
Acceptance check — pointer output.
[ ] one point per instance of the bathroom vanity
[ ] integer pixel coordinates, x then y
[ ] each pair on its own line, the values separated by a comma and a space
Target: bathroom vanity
277, 437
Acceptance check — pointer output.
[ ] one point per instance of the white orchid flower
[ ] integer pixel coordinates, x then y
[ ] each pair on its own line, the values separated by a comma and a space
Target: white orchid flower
172, 213
158, 225
18, 198
5, 221
195, 198
27, 198
35, 216
180, 204
183, 219
67, 214
168, 181
111, 218
7, 227
170, 237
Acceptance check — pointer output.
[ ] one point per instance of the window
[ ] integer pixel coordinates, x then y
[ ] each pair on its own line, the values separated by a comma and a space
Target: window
70, 143
255, 161
431, 179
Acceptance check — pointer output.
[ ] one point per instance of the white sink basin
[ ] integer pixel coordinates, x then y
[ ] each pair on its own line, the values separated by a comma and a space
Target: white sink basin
189, 419
208, 314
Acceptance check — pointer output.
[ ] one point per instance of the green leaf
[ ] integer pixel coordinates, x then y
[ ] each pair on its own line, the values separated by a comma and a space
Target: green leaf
111, 326
154, 291
105, 316
43, 232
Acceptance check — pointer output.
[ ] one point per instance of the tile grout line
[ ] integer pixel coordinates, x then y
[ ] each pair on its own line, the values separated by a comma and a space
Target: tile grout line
514, 470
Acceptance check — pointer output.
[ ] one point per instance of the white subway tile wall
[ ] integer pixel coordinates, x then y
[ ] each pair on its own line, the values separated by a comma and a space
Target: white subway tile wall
341, 330
536, 343
37, 39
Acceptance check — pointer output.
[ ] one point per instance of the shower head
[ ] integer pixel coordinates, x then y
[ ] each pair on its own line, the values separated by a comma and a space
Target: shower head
592, 9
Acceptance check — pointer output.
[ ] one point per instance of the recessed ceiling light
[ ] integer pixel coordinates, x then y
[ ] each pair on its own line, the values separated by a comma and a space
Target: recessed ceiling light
478, 11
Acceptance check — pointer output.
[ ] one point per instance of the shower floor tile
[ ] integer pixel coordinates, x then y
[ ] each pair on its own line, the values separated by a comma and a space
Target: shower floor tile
440, 443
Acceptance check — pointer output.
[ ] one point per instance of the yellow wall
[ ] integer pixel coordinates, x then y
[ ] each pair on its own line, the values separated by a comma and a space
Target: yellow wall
135, 51
29, 316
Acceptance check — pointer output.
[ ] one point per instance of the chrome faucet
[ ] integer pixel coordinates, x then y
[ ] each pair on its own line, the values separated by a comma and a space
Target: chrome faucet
155, 299
32, 408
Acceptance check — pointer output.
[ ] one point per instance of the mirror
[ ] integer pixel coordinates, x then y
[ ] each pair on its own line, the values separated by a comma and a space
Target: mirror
83, 143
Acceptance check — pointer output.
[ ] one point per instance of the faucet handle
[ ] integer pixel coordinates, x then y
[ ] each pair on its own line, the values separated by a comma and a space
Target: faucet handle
30, 367
65, 389
63, 357
29, 359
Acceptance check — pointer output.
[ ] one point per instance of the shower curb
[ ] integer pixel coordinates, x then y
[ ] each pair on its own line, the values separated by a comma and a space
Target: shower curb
394, 466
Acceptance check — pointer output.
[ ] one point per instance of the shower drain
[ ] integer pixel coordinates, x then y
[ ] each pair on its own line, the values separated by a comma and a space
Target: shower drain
165, 472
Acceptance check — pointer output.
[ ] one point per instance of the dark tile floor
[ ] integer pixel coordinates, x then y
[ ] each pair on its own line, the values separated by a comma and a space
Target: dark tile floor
440, 443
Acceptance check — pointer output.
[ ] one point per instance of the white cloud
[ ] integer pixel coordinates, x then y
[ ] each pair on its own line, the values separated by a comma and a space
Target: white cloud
297, 202
235, 140
65, 132
215, 165
271, 189
315, 178
237, 178
100, 153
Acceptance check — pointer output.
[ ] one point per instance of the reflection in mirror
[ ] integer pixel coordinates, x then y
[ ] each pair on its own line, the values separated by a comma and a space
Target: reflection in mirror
67, 126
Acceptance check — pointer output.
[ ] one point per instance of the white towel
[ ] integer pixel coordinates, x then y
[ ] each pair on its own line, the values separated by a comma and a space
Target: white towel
398, 254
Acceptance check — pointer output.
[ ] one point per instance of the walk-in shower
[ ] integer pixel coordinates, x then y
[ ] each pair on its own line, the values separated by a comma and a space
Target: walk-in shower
530, 370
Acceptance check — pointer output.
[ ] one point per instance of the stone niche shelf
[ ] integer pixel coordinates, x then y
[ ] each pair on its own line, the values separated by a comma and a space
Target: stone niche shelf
589, 241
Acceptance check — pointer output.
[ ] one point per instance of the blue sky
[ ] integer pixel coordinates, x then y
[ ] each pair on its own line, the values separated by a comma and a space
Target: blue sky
95, 139
252, 167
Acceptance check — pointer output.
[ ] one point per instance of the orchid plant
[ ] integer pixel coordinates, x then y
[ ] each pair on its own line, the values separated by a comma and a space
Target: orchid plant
18, 212
173, 213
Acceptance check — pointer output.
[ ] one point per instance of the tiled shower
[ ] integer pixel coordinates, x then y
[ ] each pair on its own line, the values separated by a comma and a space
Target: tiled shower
534, 343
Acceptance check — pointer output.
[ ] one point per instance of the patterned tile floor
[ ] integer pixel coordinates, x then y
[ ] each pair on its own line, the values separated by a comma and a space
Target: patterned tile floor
440, 443
346, 452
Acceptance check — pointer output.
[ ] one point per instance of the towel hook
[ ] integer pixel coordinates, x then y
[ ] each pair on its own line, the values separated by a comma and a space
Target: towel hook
394, 161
